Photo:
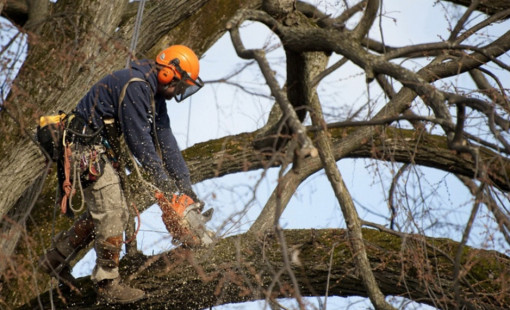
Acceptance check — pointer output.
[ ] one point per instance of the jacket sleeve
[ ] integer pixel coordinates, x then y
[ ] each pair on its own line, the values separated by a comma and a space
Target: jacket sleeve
136, 120
172, 156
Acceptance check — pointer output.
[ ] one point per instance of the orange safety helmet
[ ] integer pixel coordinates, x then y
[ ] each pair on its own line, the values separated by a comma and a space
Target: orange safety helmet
180, 66
187, 60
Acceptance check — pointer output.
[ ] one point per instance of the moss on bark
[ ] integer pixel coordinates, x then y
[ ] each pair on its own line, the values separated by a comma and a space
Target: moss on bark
250, 267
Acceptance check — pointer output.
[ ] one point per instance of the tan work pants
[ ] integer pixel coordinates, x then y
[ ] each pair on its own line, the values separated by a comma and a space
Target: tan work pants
107, 206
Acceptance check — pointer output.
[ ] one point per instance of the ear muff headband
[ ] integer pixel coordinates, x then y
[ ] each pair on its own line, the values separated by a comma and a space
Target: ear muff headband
166, 75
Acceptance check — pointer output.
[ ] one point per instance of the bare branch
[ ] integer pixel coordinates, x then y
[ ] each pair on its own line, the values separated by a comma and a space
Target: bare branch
306, 146
367, 20
501, 15
460, 23
462, 244
502, 217
348, 210
498, 97
349, 12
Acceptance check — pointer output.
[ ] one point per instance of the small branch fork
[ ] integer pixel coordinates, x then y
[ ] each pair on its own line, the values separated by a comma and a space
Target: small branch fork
306, 145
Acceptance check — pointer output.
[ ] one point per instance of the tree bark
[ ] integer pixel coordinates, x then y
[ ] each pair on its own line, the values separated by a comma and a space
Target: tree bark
246, 267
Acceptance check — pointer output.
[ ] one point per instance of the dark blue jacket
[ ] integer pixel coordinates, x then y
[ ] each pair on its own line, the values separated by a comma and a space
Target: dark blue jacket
136, 122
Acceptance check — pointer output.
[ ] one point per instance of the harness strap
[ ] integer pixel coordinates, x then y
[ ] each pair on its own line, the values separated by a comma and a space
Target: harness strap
153, 111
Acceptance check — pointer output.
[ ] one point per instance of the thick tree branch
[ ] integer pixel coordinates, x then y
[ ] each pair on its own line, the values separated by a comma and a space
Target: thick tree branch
237, 154
241, 268
367, 20
460, 23
497, 96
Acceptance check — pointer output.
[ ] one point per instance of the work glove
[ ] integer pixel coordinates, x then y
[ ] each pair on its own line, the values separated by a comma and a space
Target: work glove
184, 220
207, 215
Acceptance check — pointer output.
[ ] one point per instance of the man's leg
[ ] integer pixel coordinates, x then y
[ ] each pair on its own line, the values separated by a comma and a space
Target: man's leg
109, 212
66, 245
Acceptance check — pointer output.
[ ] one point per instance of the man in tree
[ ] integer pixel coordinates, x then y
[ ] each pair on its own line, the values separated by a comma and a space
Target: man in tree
130, 102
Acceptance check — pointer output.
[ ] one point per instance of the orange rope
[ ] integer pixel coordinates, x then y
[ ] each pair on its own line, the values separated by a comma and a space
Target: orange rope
67, 186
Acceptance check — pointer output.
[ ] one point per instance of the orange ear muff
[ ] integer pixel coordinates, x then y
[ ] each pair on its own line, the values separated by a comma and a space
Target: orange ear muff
166, 75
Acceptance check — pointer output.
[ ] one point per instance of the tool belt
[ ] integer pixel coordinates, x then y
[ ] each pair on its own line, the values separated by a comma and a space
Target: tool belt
78, 150
87, 149
55, 131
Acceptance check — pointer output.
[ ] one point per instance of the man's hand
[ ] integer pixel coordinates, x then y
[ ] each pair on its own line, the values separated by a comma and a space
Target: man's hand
184, 220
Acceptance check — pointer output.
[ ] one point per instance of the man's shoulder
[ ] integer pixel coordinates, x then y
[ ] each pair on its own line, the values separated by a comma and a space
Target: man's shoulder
141, 71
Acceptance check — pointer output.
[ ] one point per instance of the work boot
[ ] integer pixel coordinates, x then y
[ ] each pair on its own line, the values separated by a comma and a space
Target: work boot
55, 264
66, 245
112, 291
107, 265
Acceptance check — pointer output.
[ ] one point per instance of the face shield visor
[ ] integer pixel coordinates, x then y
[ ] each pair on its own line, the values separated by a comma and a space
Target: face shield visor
186, 86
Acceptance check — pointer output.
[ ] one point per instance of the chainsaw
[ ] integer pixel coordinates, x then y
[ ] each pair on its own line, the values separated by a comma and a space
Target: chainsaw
184, 221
